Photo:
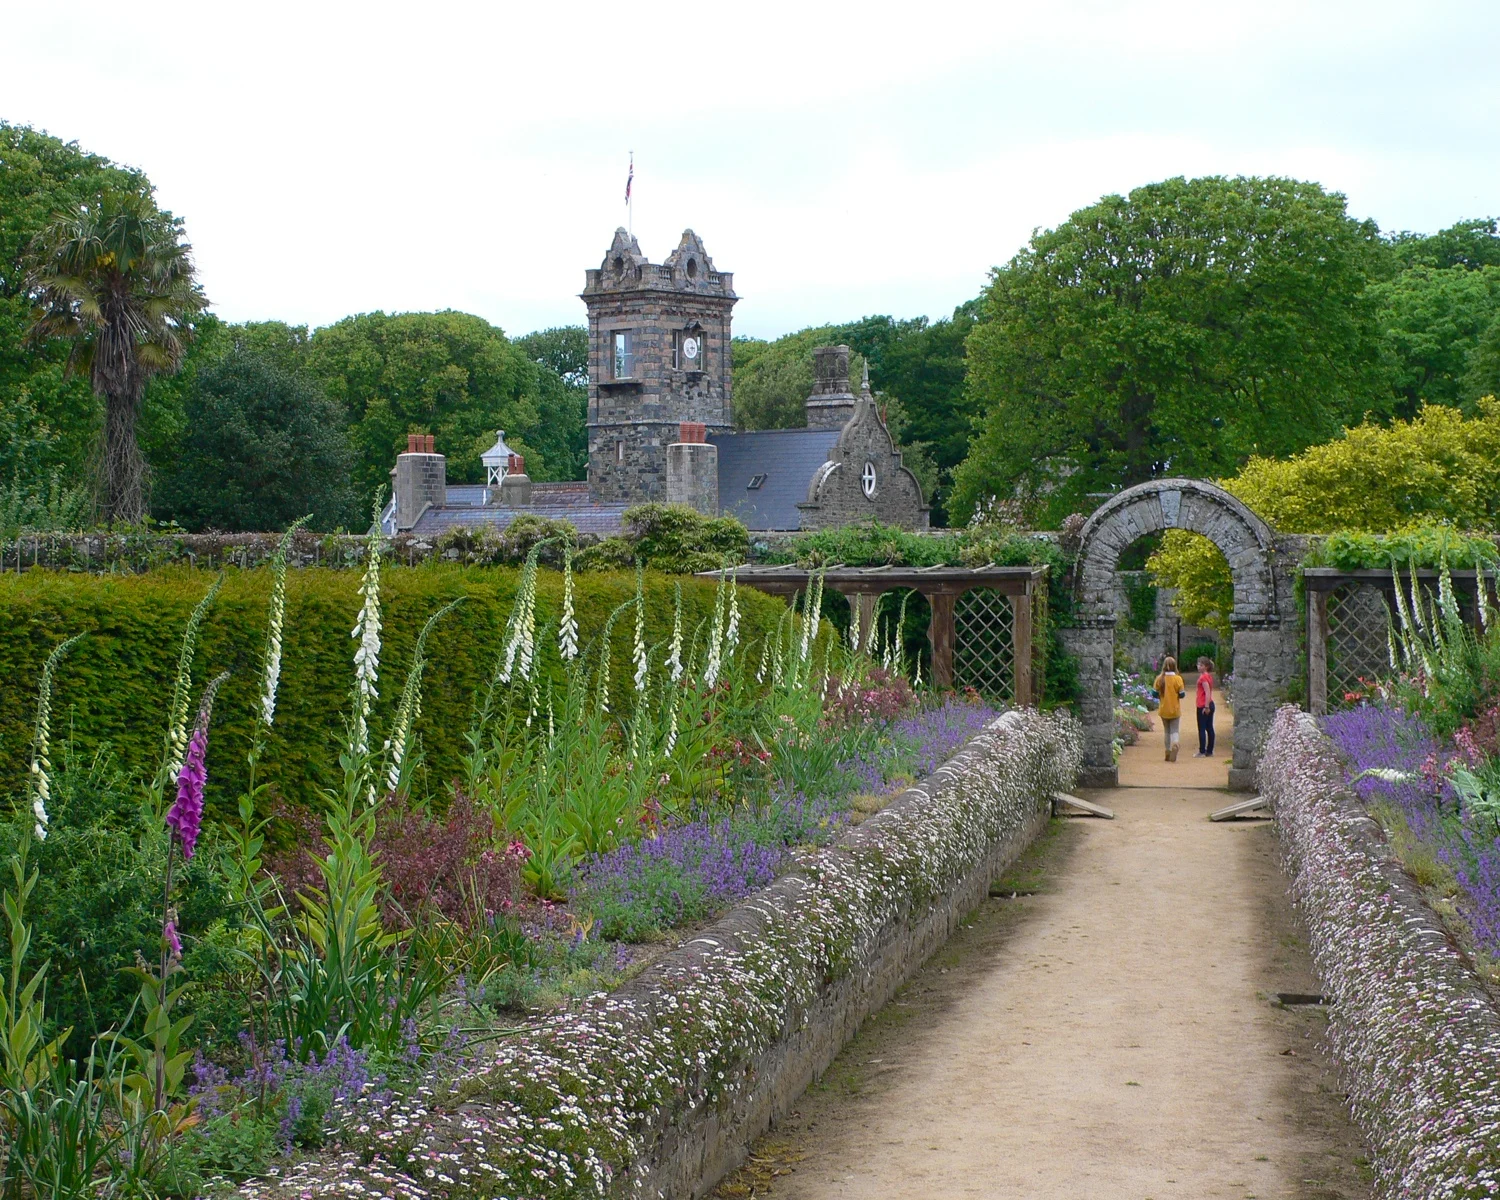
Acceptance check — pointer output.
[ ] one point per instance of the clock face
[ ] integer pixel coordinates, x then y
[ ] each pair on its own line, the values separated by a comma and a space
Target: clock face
690, 349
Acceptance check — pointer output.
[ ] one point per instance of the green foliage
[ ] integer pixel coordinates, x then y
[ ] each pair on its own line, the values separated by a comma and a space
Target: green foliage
49, 420
263, 447
117, 693
1140, 595
868, 545
450, 374
1433, 322
1440, 467
562, 399
1413, 548
1472, 245
672, 538
1184, 328
114, 278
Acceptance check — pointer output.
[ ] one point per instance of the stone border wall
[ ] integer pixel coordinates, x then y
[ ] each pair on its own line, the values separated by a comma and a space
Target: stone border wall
659, 1088
1415, 1033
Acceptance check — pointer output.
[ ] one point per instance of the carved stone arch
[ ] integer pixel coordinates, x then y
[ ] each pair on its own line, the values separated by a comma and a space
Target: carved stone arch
1263, 617
1247, 542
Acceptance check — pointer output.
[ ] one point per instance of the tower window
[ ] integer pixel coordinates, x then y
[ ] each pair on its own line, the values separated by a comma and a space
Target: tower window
755, 482
620, 451
622, 353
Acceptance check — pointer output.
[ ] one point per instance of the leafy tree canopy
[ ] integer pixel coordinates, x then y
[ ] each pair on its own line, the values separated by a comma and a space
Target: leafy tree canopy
49, 420
1432, 320
1180, 329
263, 446
1471, 244
1439, 467
450, 374
561, 355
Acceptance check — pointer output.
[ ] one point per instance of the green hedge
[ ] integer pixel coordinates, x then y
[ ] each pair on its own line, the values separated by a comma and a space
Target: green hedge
116, 685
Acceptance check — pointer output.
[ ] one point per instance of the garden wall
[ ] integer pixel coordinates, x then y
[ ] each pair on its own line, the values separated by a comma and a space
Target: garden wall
1416, 1034
658, 1088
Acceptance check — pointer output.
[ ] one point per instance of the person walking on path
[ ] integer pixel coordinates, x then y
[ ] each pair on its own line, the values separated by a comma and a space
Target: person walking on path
1205, 702
1171, 689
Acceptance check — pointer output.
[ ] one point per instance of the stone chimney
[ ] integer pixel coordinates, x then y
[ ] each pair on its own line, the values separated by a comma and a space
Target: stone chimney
693, 469
832, 403
515, 488
420, 480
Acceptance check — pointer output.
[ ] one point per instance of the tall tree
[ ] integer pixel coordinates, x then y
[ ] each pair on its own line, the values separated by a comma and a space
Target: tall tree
264, 445
561, 355
49, 419
1178, 330
116, 279
450, 374
1469, 244
1432, 320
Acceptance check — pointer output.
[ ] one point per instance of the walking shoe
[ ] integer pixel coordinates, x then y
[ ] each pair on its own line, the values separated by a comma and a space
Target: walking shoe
1172, 754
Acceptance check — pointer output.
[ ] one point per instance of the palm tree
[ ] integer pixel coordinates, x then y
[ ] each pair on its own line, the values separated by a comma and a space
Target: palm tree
116, 277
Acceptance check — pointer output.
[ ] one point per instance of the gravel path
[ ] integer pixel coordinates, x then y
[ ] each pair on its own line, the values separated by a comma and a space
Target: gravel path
1113, 1035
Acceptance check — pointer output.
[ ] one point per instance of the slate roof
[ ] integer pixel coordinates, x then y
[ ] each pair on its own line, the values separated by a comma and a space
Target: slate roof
568, 501
788, 458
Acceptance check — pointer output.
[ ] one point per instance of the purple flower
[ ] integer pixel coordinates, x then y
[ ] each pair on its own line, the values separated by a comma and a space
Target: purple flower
186, 814
169, 931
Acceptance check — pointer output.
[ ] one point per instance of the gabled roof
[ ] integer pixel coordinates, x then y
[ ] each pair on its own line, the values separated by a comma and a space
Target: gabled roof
788, 458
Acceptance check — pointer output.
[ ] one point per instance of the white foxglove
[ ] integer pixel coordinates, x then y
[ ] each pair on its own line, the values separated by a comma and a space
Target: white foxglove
567, 628
674, 656
366, 632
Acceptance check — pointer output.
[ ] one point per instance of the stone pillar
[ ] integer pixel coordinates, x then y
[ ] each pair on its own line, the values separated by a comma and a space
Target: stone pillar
940, 635
1317, 652
1020, 610
1265, 661
515, 488
1093, 645
693, 470
420, 480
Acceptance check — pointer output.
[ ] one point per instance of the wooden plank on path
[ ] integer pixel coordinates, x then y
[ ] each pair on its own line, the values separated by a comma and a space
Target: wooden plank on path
1085, 807
1240, 809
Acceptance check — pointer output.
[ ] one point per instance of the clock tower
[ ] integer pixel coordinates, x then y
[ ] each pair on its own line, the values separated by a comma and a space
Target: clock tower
658, 357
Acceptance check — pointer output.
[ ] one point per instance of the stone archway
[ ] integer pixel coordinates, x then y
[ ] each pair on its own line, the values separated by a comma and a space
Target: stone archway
1264, 617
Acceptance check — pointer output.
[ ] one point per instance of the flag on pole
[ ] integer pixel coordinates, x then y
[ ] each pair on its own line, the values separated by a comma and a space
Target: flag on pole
630, 179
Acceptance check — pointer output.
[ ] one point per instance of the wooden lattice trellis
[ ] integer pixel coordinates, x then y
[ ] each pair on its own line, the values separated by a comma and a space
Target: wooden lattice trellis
1358, 645
984, 643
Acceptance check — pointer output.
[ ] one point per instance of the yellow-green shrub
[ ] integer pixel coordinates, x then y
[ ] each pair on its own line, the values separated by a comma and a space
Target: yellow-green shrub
1437, 468
117, 684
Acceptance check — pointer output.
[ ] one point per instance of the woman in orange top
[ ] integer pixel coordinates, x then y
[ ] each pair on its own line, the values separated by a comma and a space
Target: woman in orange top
1171, 688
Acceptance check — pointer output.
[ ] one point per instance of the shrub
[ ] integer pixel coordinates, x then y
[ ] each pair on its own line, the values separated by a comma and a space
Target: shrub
116, 691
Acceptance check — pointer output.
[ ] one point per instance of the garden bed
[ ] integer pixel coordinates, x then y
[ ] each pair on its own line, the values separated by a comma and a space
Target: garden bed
1416, 1033
657, 1088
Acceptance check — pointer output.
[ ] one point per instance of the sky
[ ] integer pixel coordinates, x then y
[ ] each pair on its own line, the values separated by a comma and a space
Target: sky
841, 159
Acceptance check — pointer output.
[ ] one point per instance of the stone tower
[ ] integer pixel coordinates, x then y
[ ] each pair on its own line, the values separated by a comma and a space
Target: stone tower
658, 357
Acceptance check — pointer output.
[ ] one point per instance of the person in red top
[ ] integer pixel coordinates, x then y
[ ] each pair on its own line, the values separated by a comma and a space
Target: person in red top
1205, 701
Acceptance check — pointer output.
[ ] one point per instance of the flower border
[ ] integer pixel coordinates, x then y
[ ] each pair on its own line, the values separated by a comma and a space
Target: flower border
659, 1086
1416, 1034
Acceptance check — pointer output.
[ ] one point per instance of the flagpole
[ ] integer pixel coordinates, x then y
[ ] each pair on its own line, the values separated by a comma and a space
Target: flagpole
630, 198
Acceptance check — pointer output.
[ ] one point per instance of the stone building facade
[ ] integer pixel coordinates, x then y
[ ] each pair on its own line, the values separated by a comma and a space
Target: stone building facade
660, 423
658, 356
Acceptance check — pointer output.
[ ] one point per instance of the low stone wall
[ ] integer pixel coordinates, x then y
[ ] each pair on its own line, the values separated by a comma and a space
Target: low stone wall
658, 1088
1416, 1034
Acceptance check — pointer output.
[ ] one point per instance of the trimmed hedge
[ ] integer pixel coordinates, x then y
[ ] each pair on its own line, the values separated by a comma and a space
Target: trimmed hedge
116, 685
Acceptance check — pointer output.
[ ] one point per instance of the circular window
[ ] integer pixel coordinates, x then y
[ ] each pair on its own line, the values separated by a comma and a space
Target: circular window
867, 479
692, 268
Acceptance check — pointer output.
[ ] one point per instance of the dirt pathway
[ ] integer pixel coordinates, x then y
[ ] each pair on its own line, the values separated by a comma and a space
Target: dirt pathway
1114, 1035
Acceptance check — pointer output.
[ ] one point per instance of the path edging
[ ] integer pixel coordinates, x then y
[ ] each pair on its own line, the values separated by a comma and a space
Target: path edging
659, 1088
1415, 1033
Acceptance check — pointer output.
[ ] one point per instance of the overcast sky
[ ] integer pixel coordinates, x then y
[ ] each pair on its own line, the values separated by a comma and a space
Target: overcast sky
840, 159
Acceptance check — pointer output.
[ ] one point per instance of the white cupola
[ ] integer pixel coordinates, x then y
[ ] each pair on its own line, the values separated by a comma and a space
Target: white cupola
497, 463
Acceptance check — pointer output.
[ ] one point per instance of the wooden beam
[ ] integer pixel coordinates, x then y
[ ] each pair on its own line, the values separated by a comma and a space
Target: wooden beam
1087, 807
1020, 609
1239, 809
940, 634
1317, 653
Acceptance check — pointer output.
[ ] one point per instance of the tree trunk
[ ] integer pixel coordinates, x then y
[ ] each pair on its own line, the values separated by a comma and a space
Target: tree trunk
122, 466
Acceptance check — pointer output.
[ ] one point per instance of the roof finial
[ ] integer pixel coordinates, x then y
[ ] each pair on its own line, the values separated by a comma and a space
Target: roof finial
864, 387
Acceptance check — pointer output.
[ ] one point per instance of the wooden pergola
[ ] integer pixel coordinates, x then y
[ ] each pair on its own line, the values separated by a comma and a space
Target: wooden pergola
940, 586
